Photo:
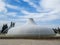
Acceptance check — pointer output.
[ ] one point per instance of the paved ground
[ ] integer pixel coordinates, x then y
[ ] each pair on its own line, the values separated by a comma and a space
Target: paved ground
28, 42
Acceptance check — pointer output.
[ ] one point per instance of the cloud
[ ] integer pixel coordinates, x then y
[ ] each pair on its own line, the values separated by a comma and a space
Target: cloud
51, 4
54, 5
30, 3
3, 6
47, 5
12, 6
38, 8
50, 12
13, 14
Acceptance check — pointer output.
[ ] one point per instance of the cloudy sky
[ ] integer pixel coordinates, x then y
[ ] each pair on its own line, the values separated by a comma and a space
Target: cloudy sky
44, 12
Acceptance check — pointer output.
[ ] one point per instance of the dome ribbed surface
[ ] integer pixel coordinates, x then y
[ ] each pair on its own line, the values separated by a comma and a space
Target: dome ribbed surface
30, 28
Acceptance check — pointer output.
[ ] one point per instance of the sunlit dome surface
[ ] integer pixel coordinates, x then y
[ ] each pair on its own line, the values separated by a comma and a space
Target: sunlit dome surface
31, 29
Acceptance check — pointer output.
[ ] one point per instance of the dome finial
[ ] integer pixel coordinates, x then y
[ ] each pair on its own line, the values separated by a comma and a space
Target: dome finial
30, 21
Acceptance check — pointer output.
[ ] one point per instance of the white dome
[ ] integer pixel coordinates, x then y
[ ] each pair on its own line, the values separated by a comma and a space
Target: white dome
30, 29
